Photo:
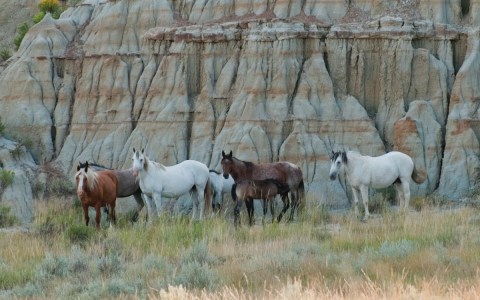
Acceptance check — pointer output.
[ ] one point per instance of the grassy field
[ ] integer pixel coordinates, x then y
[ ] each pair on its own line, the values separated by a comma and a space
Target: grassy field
432, 253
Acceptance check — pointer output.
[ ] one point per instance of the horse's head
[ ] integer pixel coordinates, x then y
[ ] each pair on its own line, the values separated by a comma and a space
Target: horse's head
338, 159
227, 164
81, 178
138, 161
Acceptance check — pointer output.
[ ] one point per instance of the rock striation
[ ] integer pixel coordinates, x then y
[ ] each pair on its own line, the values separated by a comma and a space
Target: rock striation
269, 80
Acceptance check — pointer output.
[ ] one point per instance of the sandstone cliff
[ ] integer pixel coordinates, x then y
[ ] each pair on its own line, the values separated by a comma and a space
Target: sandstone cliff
270, 80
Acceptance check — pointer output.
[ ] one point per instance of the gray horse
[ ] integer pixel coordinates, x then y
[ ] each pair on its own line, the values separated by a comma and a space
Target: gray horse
127, 185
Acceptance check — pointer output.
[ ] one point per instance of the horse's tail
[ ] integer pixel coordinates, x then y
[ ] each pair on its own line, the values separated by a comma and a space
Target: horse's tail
301, 194
418, 176
233, 192
208, 195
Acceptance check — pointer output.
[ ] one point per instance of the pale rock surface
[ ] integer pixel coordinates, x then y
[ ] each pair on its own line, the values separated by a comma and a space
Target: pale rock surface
269, 80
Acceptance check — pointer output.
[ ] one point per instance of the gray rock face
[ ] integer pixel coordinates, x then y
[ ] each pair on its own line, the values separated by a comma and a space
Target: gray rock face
268, 80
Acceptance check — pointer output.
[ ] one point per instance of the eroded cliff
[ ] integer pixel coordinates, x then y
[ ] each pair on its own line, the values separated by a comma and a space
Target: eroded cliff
269, 80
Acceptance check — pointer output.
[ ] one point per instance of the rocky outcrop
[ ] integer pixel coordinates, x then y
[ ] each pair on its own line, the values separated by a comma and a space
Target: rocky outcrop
269, 80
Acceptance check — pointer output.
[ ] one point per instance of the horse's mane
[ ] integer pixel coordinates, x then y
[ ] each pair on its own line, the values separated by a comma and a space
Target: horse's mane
95, 165
156, 164
214, 171
247, 164
91, 178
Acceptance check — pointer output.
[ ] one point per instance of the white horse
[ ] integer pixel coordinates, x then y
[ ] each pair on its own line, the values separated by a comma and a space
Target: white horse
220, 186
157, 181
378, 172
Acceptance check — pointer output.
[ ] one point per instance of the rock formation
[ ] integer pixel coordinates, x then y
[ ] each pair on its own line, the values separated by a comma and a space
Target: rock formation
269, 80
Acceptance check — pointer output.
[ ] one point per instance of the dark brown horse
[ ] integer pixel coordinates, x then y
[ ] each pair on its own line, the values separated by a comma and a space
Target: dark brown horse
247, 190
127, 185
96, 189
284, 172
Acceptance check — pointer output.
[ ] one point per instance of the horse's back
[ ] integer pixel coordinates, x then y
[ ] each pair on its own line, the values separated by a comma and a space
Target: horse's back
108, 182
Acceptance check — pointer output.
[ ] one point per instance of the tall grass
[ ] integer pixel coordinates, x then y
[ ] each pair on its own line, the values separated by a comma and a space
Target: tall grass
432, 253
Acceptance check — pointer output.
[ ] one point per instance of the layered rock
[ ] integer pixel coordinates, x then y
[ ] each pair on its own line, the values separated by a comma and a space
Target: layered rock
269, 80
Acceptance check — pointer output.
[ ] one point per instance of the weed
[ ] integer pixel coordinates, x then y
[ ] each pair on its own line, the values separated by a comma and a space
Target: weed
397, 249
199, 253
52, 266
194, 275
6, 178
6, 218
80, 234
2, 127
21, 32
4, 55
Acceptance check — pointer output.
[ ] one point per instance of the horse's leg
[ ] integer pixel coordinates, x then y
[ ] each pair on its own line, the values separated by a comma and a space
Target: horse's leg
113, 217
264, 207
286, 205
140, 204
272, 208
148, 201
294, 204
236, 213
355, 200
98, 214
406, 194
399, 195
364, 191
194, 197
201, 199
85, 213
249, 204
157, 198
217, 204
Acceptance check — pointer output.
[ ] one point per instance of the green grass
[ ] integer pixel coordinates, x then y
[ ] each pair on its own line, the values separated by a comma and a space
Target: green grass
323, 255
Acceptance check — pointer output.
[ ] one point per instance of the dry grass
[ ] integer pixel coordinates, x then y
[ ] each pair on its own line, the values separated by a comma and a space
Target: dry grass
427, 254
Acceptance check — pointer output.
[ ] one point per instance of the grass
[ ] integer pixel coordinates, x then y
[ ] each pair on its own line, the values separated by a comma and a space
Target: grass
427, 253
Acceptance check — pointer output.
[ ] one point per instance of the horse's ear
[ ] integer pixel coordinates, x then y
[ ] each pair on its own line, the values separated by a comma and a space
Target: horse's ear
230, 155
143, 150
223, 153
134, 150
78, 167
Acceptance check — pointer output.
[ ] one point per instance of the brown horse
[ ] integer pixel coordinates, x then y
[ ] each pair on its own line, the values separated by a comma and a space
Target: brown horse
96, 189
128, 185
284, 172
247, 190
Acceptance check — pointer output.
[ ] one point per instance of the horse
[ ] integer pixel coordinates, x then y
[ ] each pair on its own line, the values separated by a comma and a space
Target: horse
157, 181
220, 186
247, 190
378, 172
127, 186
96, 189
284, 172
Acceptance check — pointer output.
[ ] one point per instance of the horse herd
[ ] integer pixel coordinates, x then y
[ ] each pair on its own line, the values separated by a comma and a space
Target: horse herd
149, 181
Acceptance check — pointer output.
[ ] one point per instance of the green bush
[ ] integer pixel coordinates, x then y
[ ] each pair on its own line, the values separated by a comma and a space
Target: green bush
6, 178
38, 17
22, 31
4, 55
80, 234
2, 127
6, 218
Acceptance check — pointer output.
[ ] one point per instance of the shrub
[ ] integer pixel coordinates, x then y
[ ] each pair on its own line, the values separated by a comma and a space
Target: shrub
4, 55
50, 6
52, 266
38, 17
7, 219
61, 187
79, 233
22, 31
2, 127
198, 253
6, 178
197, 276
